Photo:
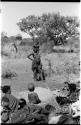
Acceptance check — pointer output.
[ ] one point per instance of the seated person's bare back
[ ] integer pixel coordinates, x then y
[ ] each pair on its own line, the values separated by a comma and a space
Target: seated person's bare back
32, 96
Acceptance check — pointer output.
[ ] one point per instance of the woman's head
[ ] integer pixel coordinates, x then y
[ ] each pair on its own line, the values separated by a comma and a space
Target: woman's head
36, 48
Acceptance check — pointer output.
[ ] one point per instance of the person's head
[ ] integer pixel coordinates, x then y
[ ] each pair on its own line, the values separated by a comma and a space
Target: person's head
4, 116
71, 87
22, 103
50, 108
31, 87
35, 49
4, 102
66, 83
6, 89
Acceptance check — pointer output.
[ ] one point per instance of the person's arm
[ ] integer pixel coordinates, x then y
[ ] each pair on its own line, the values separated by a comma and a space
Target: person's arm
29, 56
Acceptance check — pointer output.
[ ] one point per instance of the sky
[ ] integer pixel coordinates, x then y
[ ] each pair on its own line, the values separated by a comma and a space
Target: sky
12, 12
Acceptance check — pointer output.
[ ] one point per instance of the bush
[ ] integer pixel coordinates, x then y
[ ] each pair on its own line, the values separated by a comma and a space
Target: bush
8, 75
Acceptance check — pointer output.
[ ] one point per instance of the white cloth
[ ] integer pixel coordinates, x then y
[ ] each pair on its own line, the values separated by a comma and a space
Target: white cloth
75, 109
53, 119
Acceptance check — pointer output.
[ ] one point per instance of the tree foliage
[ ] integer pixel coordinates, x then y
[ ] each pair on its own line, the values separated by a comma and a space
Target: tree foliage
50, 27
29, 25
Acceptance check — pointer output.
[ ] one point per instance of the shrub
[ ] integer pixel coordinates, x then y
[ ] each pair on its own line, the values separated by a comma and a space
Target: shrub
8, 74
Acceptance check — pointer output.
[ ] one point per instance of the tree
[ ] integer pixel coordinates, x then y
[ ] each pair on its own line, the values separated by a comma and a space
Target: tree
29, 25
55, 28
49, 27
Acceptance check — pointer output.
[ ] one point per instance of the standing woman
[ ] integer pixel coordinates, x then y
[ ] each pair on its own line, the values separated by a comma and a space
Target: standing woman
36, 63
33, 56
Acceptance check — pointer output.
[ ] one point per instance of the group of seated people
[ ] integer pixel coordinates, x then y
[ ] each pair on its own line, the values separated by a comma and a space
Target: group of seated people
72, 95
19, 111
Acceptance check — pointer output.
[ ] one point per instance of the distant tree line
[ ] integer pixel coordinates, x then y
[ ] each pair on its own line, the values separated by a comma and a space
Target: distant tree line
12, 39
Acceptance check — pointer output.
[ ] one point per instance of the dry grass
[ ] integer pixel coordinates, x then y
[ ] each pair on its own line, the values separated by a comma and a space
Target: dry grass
56, 79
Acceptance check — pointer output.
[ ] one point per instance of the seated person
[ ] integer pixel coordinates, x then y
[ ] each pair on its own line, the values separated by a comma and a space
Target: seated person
72, 91
29, 113
71, 94
32, 96
5, 103
13, 101
50, 108
6, 109
4, 117
22, 103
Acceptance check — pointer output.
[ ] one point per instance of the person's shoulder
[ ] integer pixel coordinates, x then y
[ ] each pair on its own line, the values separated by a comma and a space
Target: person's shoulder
36, 95
13, 97
32, 94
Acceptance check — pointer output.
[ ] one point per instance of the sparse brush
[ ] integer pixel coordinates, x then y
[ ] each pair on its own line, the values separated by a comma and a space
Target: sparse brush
9, 74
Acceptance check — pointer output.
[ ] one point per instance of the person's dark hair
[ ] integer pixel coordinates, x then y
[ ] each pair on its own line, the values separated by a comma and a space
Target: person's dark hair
22, 103
31, 87
66, 83
36, 47
72, 87
5, 88
49, 108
